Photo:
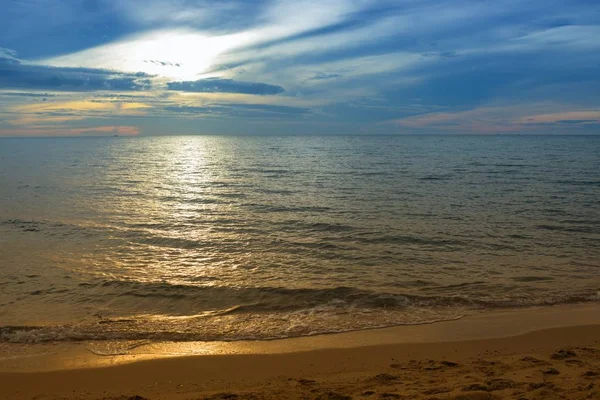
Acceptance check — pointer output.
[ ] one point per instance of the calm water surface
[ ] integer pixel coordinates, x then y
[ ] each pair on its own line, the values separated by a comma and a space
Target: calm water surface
225, 238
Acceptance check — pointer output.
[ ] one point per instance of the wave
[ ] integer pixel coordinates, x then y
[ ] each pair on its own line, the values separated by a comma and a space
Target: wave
575, 229
145, 331
268, 299
149, 234
440, 177
267, 313
579, 182
277, 299
408, 239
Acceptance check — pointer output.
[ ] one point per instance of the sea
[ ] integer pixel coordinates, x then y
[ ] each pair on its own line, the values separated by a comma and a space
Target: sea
225, 238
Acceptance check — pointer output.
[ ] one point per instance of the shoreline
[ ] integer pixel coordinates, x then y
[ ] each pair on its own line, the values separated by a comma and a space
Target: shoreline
50, 356
339, 362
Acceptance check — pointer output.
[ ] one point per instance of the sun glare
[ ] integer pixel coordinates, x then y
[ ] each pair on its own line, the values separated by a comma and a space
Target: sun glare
175, 54
179, 55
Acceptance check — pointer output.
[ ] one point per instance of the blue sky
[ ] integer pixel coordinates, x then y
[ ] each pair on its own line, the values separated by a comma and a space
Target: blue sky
150, 67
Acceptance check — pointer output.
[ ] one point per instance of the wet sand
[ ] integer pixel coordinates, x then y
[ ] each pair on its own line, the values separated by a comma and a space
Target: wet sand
529, 354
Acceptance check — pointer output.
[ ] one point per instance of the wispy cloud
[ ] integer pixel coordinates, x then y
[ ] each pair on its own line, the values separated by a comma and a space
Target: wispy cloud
431, 65
216, 85
27, 94
500, 119
44, 114
8, 56
60, 131
80, 106
578, 117
182, 53
216, 14
571, 37
239, 110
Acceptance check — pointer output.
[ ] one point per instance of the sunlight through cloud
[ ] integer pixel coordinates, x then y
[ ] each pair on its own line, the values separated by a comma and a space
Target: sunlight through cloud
174, 54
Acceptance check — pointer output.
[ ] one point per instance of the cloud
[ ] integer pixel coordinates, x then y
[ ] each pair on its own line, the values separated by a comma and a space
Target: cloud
569, 117
216, 85
217, 14
196, 48
240, 110
102, 130
439, 65
502, 119
323, 76
39, 28
121, 97
569, 37
179, 53
121, 130
80, 106
37, 114
163, 63
354, 69
8, 56
26, 94
192, 109
270, 108
14, 74
162, 12
28, 121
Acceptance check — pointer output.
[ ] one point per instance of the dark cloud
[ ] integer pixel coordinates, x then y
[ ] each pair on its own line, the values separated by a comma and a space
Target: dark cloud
323, 76
17, 75
270, 108
122, 96
192, 109
162, 63
241, 110
216, 85
578, 121
25, 94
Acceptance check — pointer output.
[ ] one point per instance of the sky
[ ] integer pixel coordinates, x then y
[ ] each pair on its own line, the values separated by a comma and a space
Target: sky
160, 67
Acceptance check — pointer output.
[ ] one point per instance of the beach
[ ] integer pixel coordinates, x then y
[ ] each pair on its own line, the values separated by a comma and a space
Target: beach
542, 353
313, 200
383, 267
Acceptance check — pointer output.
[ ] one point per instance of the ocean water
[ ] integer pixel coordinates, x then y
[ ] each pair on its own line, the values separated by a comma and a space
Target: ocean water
228, 238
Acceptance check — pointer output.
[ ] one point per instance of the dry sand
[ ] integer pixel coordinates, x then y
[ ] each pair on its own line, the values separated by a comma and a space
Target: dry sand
556, 362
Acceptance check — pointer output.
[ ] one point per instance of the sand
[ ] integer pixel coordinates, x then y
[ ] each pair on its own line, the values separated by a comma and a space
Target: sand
550, 353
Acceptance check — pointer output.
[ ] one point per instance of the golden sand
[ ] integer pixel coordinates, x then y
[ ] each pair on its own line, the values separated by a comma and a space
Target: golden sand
558, 358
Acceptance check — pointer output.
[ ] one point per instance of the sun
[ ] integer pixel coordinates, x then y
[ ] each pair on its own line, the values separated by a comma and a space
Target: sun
173, 54
180, 55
